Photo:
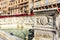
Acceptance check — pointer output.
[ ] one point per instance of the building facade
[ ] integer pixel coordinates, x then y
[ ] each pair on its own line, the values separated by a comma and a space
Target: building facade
15, 6
46, 4
24, 6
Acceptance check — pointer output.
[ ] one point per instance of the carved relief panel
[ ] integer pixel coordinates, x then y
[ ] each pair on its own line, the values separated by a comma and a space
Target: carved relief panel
43, 35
